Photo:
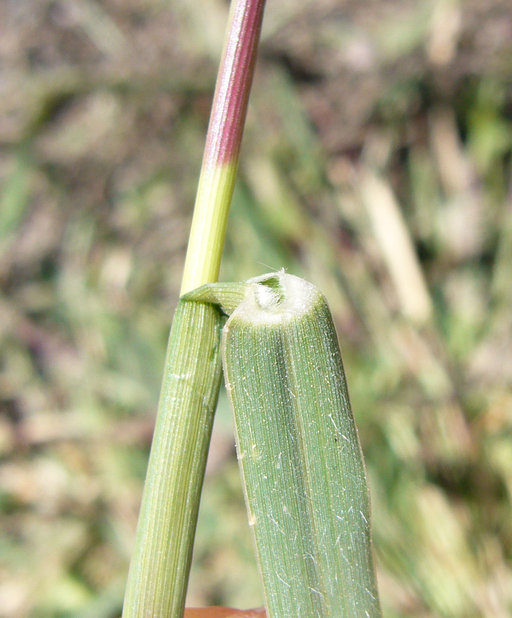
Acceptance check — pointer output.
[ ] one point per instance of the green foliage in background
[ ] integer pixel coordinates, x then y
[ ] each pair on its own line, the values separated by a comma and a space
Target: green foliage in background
376, 163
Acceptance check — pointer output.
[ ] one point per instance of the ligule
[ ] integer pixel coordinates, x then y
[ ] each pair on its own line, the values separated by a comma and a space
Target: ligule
299, 452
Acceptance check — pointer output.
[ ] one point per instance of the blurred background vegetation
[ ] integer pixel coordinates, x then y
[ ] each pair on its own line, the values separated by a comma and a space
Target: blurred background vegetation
376, 163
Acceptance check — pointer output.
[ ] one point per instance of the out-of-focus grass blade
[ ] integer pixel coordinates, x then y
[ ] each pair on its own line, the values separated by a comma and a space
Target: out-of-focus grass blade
14, 196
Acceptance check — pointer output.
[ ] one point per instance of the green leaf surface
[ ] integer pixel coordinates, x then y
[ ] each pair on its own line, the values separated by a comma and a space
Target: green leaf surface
299, 452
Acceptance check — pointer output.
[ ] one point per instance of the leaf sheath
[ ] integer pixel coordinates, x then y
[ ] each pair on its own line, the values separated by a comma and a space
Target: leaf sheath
159, 570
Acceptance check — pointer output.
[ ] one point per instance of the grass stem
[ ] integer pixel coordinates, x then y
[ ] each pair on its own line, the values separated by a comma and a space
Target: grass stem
159, 570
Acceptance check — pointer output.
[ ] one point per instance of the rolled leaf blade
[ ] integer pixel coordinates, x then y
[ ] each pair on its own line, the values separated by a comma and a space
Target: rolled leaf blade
299, 453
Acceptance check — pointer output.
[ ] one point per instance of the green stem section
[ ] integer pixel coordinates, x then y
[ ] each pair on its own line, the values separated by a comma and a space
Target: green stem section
160, 565
220, 161
208, 229
159, 570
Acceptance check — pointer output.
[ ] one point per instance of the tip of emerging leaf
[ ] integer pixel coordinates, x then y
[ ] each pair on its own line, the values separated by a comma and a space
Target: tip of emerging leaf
268, 297
277, 297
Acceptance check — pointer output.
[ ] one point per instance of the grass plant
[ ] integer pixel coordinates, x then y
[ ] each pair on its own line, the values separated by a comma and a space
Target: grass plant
304, 481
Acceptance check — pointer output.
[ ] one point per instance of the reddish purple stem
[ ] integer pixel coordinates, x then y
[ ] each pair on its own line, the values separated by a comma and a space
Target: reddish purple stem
234, 83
